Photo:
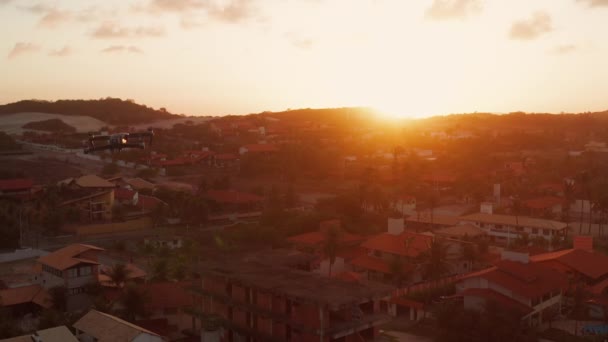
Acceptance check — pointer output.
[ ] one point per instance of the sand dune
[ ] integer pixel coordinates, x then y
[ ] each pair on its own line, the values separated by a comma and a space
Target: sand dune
12, 123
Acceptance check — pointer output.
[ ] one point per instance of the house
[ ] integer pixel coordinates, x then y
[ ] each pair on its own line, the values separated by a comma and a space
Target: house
251, 301
166, 304
532, 290
92, 182
149, 203
101, 327
20, 301
56, 334
90, 196
73, 267
581, 264
258, 149
232, 202
461, 231
384, 248
138, 184
405, 204
226, 160
125, 196
504, 228
16, 188
546, 206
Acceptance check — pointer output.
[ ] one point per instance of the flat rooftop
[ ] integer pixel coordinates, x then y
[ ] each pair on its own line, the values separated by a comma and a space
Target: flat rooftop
298, 285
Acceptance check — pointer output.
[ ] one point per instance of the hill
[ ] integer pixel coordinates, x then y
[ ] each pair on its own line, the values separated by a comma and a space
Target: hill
109, 110
50, 125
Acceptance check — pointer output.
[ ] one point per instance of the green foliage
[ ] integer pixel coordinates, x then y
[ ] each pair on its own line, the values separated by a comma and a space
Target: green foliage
134, 302
7, 143
119, 274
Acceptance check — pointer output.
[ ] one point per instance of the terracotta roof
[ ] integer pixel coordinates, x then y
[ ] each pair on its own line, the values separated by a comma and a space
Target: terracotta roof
511, 220
93, 181
173, 295
25, 294
232, 196
97, 194
491, 295
173, 162
148, 202
461, 230
68, 256
108, 328
16, 184
138, 184
591, 264
396, 244
261, 148
544, 202
371, 263
528, 280
124, 194
348, 276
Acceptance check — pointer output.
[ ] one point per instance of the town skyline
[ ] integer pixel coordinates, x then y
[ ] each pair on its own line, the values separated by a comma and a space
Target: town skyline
405, 59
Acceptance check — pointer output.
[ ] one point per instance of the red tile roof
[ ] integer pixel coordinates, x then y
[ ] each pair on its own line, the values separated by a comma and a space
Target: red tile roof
226, 156
160, 296
148, 202
124, 194
25, 294
16, 184
232, 197
545, 202
591, 264
67, 257
396, 244
528, 280
491, 295
348, 276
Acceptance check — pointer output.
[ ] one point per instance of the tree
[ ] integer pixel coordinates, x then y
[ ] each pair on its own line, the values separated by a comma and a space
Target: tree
160, 269
119, 274
134, 302
396, 267
436, 264
330, 246
471, 254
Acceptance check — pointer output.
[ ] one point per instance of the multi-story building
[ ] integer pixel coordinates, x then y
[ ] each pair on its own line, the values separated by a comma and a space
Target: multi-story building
531, 289
506, 228
92, 197
255, 302
73, 267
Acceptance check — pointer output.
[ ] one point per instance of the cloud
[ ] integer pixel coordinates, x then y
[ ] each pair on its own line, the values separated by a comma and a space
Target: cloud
595, 3
531, 28
64, 51
54, 18
452, 9
122, 48
21, 48
564, 49
109, 30
231, 11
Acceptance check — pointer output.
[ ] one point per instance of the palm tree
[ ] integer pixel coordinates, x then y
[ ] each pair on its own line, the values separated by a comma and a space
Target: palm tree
330, 246
119, 274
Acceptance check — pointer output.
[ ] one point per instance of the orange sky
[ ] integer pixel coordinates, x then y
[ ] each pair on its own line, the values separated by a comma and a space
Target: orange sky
213, 57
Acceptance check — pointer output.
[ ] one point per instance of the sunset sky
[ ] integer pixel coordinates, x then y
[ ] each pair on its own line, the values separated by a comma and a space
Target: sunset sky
214, 57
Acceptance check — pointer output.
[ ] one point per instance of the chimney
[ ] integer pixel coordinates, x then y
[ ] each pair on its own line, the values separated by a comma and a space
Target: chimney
486, 208
523, 257
584, 243
396, 226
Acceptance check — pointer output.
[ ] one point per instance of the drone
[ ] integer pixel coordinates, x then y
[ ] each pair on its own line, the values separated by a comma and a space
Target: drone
118, 141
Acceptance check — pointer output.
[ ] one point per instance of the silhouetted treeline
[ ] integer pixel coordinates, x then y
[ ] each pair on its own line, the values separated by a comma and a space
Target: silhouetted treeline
110, 110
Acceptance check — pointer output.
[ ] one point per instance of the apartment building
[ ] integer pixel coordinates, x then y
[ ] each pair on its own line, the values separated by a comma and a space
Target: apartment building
505, 228
255, 302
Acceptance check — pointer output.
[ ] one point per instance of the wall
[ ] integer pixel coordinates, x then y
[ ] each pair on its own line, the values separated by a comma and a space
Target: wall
20, 254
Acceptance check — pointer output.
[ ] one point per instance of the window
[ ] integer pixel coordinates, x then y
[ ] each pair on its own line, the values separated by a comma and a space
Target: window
498, 226
72, 273
85, 271
519, 229
546, 232
534, 230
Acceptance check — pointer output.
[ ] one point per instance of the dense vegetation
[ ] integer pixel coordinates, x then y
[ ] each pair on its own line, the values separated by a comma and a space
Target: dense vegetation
110, 110
50, 125
7, 143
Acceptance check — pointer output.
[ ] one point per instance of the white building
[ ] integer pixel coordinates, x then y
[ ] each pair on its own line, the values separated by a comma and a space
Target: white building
505, 228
